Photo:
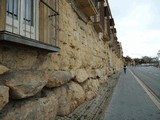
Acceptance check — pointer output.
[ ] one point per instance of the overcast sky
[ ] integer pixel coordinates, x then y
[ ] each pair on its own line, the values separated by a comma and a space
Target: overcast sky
138, 26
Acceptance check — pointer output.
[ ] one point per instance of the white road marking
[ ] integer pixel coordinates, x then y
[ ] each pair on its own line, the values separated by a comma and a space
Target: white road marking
152, 96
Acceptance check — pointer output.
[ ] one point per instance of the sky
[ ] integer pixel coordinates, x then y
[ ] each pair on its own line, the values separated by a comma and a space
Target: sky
138, 26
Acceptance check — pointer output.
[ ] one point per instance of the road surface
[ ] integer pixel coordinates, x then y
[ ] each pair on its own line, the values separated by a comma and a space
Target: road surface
150, 76
136, 96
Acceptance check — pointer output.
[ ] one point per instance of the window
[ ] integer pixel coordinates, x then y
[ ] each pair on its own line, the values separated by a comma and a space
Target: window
29, 12
21, 18
29, 20
12, 8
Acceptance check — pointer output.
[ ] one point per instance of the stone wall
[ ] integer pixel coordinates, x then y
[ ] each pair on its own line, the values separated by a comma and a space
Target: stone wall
38, 85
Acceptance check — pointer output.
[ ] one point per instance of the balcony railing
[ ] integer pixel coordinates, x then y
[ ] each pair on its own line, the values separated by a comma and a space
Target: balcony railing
30, 22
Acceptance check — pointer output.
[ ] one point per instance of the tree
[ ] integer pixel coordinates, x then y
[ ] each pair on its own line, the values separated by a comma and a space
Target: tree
128, 60
146, 59
137, 61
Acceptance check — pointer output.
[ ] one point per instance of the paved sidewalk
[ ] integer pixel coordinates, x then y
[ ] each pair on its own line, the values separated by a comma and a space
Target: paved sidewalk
94, 109
130, 102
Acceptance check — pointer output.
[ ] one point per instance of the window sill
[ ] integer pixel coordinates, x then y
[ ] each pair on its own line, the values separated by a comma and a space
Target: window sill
6, 37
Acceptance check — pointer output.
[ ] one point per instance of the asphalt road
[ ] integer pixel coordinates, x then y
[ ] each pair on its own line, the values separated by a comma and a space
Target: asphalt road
150, 76
131, 101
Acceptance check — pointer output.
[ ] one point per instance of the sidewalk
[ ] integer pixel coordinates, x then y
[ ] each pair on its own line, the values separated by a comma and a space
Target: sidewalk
130, 101
94, 109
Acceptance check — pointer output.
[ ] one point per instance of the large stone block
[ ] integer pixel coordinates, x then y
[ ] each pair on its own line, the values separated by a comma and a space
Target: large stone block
3, 69
58, 78
32, 109
78, 94
64, 100
4, 96
92, 73
70, 96
81, 75
24, 84
91, 87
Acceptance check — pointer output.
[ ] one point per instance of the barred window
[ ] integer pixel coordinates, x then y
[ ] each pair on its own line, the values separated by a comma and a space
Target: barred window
29, 12
12, 8
34, 19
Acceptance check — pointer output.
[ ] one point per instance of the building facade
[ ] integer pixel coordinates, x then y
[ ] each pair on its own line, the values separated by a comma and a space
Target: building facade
54, 55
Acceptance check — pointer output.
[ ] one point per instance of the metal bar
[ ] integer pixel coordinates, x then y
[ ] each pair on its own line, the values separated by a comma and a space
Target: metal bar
31, 2
6, 15
43, 37
55, 30
25, 17
52, 24
13, 16
47, 26
19, 10
49, 7
58, 24
7, 7
34, 23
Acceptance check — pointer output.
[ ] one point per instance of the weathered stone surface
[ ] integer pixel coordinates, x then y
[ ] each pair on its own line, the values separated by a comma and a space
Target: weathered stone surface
92, 73
63, 100
81, 47
4, 96
33, 109
78, 94
70, 96
81, 75
110, 72
101, 72
58, 78
24, 84
19, 58
98, 73
103, 79
91, 87
3, 69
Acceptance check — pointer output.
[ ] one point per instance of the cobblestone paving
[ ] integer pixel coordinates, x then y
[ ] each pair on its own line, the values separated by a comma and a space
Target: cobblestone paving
94, 109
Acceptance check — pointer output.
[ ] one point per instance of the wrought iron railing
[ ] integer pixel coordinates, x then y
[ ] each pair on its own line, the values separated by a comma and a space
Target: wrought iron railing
34, 19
